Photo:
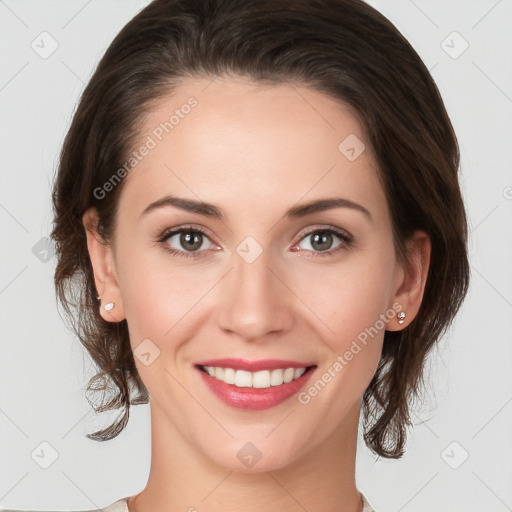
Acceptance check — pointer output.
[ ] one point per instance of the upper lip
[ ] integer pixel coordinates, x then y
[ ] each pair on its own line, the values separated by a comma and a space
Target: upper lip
253, 366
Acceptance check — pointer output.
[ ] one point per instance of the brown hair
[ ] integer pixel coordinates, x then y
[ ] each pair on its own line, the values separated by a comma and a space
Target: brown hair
343, 48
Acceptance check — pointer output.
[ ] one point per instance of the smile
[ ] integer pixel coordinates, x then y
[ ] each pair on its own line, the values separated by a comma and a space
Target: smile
254, 385
261, 380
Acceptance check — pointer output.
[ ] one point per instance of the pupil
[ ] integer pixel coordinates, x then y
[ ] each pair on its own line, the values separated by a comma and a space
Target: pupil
322, 241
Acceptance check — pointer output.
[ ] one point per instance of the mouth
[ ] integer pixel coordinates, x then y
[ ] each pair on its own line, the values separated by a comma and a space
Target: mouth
254, 385
262, 379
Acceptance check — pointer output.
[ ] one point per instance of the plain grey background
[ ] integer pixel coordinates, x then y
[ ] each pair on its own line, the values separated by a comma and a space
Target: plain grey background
459, 458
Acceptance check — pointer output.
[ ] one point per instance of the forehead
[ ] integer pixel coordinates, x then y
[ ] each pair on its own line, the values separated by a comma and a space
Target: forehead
229, 139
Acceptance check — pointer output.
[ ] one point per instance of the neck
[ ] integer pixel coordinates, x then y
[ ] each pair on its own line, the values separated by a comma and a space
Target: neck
181, 479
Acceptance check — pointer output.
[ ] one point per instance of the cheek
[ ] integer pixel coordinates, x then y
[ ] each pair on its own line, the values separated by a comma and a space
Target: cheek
160, 298
349, 298
352, 301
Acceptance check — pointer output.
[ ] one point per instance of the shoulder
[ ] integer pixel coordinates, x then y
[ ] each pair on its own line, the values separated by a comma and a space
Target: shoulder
117, 506
366, 506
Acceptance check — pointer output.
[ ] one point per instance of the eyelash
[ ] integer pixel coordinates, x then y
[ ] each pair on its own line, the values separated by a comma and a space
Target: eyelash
346, 241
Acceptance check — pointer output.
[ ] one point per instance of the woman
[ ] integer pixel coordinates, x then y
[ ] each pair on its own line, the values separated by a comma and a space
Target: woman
260, 231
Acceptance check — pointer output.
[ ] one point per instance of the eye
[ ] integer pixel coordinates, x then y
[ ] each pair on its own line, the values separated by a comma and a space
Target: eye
187, 242
193, 242
324, 242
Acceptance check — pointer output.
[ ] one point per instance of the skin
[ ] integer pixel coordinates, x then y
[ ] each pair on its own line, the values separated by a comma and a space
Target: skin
254, 151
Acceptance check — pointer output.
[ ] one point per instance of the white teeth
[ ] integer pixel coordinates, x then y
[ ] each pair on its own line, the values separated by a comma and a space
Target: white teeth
299, 372
243, 379
288, 374
210, 370
276, 378
229, 375
261, 379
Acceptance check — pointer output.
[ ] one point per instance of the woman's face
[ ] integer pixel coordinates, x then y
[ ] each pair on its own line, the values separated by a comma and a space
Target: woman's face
257, 275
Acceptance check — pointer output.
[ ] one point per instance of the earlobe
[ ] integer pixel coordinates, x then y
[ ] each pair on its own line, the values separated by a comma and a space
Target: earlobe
102, 262
411, 287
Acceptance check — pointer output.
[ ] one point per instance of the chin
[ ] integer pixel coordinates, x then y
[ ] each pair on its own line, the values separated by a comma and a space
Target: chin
257, 456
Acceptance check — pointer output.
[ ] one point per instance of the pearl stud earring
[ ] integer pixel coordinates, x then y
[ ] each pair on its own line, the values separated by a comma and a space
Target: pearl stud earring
109, 306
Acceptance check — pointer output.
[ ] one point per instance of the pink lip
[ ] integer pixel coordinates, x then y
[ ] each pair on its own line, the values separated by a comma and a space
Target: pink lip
254, 366
255, 399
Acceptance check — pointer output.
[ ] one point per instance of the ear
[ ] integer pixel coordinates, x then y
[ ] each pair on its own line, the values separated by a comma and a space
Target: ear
411, 280
103, 265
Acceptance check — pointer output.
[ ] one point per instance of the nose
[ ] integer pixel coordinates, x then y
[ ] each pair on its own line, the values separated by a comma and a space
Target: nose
254, 300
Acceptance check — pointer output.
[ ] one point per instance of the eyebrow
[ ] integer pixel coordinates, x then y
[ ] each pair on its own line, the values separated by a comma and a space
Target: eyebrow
210, 210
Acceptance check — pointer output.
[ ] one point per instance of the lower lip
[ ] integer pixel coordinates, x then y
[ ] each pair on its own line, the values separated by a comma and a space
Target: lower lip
255, 399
